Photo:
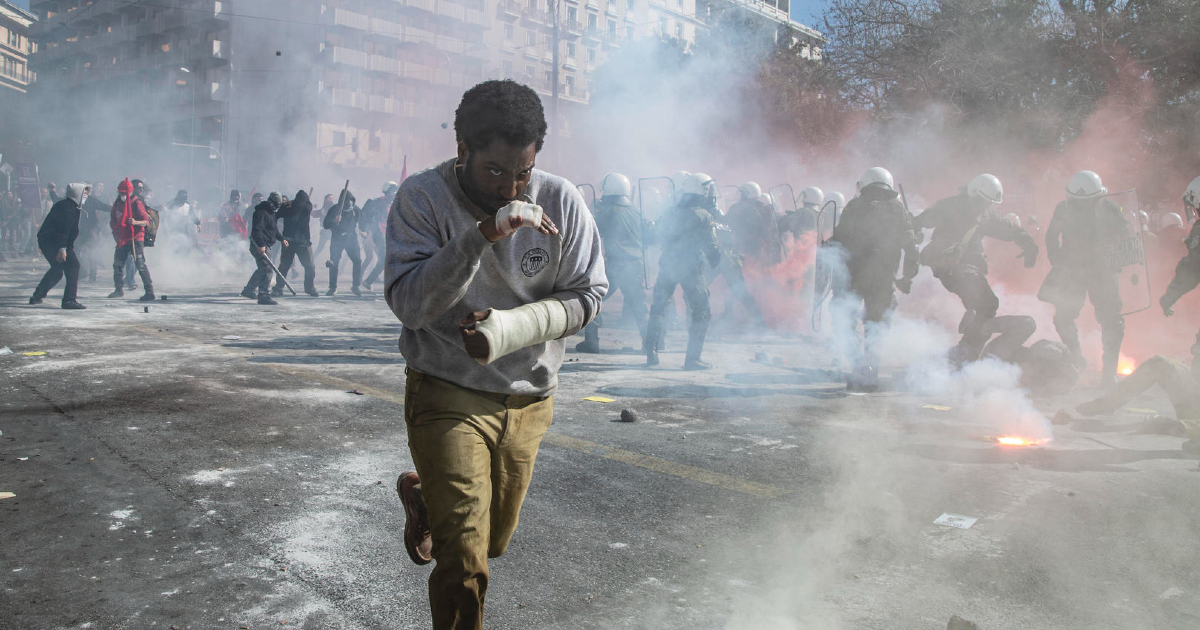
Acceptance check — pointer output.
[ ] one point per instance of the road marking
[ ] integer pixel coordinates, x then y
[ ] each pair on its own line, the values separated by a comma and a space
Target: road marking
554, 438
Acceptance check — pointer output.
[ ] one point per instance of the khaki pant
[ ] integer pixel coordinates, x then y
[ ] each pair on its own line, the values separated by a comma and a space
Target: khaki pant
1174, 378
474, 452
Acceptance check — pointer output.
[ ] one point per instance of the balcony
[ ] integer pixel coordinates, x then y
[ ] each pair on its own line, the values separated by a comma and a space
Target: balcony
508, 10
573, 28
348, 98
389, 65
429, 6
452, 11
350, 57
536, 16
593, 33
389, 29
350, 19
476, 18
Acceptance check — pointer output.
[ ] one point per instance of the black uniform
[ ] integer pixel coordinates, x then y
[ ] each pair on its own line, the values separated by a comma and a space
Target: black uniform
58, 234
755, 231
799, 222
343, 221
1076, 242
874, 232
91, 226
1187, 277
689, 240
264, 232
955, 253
374, 213
297, 217
621, 233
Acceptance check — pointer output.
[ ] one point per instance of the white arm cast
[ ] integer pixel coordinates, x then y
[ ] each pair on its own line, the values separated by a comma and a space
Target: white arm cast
521, 327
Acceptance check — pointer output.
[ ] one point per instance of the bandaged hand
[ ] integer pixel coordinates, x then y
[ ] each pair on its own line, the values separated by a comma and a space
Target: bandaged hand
491, 334
515, 216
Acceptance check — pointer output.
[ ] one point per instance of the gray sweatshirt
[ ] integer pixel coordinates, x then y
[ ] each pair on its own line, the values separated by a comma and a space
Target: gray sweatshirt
440, 268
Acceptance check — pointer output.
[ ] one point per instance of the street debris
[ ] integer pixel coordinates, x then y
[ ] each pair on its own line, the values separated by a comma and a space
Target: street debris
600, 399
5, 350
760, 357
956, 520
7, 495
355, 392
1140, 410
1062, 417
163, 298
629, 415
935, 407
231, 337
22, 459
145, 309
284, 326
37, 353
958, 623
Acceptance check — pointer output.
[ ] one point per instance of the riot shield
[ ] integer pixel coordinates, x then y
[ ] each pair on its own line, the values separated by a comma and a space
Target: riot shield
592, 191
726, 199
1127, 253
784, 198
822, 273
652, 202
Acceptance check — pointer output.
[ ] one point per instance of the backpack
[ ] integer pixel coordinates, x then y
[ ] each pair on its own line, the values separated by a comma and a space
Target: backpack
152, 229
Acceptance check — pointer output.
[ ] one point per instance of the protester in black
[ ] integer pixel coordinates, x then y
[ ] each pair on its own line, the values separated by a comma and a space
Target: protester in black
264, 232
56, 239
297, 216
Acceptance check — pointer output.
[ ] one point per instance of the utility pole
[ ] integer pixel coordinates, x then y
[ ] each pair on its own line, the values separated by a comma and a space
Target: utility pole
556, 4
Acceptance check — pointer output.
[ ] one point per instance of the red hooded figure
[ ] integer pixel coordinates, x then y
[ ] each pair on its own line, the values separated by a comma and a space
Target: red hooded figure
124, 213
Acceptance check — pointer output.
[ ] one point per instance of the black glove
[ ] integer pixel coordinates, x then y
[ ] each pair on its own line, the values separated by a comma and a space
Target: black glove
1166, 306
1030, 256
904, 284
714, 259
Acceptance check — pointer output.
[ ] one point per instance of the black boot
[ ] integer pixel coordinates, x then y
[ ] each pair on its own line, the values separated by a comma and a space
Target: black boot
35, 299
333, 273
148, 296
591, 340
118, 293
72, 305
266, 300
696, 333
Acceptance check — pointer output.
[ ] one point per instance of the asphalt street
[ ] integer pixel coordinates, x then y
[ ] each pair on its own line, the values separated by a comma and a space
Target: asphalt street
213, 463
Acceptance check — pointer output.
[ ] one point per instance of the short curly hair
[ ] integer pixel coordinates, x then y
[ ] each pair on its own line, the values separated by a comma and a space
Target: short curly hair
501, 109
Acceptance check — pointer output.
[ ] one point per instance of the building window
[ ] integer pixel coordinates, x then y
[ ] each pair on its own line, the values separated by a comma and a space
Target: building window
679, 30
506, 67
593, 20
339, 138
529, 72
629, 32
531, 38
375, 143
508, 32
570, 50
591, 55
612, 28
572, 15
570, 89
632, 4
663, 26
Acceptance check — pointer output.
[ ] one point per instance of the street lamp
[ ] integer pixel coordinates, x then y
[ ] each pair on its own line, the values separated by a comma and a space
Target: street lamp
192, 163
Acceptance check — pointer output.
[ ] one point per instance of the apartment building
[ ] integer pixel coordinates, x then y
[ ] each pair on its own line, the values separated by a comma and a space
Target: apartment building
262, 90
15, 76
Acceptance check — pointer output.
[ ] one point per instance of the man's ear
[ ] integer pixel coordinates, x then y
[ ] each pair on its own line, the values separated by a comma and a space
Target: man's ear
463, 152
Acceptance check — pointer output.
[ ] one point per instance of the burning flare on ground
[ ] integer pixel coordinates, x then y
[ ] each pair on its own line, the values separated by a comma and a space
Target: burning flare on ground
1012, 440
1126, 366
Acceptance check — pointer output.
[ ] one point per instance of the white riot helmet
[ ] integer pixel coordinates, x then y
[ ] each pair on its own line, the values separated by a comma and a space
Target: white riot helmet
388, 186
1086, 185
1191, 196
1170, 220
1143, 219
677, 179
877, 176
838, 199
986, 187
1012, 218
750, 190
615, 185
699, 184
812, 197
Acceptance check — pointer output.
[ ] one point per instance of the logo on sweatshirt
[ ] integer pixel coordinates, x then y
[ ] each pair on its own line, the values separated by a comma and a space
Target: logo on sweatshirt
534, 261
